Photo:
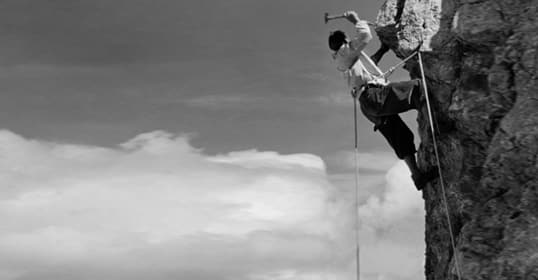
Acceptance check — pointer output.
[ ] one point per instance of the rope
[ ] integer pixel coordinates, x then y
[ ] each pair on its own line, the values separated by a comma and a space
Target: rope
393, 68
445, 201
356, 206
370, 63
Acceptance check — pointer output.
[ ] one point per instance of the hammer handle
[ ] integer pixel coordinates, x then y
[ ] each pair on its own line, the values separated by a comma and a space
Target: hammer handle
335, 17
343, 16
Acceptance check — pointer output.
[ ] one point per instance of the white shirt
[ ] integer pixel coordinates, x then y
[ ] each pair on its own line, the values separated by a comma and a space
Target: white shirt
358, 68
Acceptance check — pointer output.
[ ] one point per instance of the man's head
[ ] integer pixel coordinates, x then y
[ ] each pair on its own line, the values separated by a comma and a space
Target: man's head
336, 40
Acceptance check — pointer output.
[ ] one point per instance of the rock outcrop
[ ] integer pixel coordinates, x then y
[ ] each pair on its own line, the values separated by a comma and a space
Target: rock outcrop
480, 60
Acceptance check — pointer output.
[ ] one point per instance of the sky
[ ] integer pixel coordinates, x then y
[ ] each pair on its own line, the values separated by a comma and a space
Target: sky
192, 140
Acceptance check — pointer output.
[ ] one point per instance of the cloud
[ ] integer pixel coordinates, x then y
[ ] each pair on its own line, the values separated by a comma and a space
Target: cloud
393, 223
400, 199
391, 215
371, 161
154, 207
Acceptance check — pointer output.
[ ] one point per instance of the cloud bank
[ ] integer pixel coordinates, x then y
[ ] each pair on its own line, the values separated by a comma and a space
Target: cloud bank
155, 207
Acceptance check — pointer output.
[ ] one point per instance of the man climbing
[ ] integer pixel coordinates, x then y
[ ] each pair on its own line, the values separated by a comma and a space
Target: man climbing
380, 102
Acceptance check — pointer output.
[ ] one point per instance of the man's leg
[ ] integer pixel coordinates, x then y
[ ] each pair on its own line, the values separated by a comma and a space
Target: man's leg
411, 162
394, 98
410, 91
401, 139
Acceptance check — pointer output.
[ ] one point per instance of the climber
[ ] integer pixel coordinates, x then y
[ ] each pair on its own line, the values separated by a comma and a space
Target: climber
380, 101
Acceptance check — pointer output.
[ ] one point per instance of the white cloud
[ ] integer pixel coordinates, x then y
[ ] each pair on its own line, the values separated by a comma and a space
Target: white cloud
155, 201
400, 200
255, 159
373, 161
392, 227
156, 208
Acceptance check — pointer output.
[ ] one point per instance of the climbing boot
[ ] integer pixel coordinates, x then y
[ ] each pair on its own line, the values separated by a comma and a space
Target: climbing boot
424, 178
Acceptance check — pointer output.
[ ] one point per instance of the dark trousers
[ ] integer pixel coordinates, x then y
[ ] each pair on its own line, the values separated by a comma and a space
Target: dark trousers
382, 104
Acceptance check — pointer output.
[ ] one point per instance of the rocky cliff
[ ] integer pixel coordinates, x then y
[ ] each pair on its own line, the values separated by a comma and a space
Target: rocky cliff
480, 60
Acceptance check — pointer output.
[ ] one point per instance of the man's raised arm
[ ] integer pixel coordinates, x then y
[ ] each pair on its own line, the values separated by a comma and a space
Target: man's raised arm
363, 34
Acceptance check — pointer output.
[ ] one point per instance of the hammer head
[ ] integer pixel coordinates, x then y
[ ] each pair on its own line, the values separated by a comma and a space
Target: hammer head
326, 17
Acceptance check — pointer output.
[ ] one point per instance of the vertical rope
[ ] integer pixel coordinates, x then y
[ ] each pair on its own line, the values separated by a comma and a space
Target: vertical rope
356, 205
445, 201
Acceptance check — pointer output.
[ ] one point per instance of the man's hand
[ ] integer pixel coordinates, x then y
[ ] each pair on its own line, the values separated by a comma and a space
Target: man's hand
351, 16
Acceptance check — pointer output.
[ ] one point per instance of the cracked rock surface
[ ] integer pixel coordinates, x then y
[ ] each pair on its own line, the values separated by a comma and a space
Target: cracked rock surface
480, 58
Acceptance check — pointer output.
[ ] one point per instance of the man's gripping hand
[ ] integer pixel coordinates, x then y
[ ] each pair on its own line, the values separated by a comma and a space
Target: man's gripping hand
351, 16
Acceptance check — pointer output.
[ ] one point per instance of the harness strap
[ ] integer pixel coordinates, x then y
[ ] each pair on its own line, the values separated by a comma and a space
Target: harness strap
378, 71
393, 68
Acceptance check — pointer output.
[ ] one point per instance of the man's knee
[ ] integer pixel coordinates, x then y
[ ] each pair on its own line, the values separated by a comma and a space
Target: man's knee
398, 135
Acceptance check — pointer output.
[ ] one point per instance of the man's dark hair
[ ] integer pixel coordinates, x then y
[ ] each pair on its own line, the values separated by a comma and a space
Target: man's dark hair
336, 40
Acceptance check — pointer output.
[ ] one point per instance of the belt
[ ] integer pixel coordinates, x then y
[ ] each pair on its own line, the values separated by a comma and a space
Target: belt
359, 90
373, 85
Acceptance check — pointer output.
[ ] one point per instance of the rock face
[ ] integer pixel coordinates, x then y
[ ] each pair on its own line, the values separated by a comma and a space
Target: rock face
480, 58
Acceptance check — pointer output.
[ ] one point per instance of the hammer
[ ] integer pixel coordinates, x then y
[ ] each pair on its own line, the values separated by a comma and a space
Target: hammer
328, 17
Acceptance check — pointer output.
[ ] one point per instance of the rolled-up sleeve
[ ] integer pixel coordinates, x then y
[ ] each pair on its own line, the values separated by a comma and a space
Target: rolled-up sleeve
363, 36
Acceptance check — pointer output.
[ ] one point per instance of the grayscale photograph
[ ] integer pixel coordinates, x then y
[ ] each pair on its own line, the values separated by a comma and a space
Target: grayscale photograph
268, 140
